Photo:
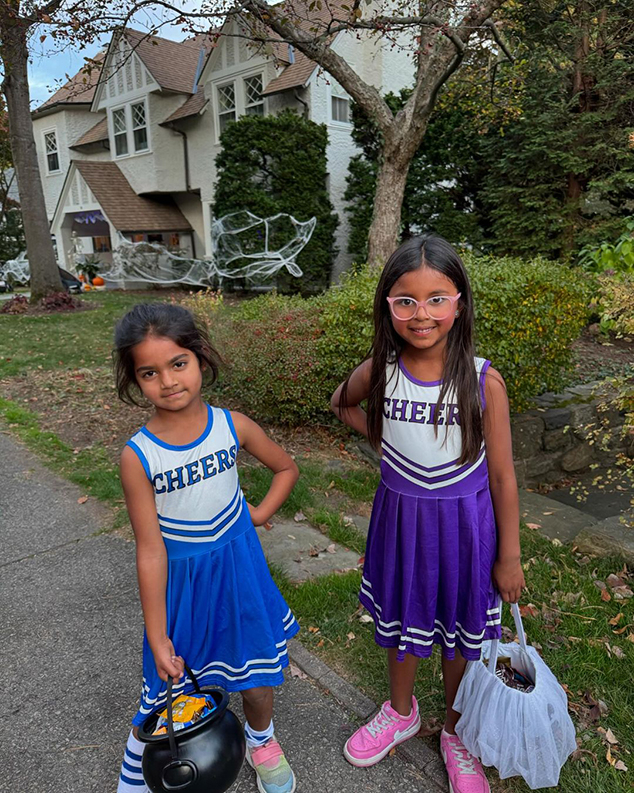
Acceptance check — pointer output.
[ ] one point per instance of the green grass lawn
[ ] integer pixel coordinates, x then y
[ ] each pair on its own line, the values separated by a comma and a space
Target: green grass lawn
587, 641
65, 340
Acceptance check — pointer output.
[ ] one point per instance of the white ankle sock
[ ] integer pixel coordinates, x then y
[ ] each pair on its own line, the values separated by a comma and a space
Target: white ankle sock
257, 738
131, 777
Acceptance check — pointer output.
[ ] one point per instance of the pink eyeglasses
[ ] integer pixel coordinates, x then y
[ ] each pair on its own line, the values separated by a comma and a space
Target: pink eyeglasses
437, 307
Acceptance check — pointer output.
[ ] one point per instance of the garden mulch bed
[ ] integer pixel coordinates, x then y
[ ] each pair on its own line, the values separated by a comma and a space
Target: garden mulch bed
82, 408
597, 357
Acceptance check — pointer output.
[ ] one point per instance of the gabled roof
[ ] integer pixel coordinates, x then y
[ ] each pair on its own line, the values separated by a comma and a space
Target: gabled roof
190, 107
79, 90
173, 64
315, 20
127, 211
94, 135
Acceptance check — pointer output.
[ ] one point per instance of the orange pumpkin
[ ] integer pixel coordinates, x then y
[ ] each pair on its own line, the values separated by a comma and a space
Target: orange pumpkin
98, 281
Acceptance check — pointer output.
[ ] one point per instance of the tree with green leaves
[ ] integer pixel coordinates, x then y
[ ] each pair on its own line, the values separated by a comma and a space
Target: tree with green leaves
561, 174
277, 164
442, 188
528, 156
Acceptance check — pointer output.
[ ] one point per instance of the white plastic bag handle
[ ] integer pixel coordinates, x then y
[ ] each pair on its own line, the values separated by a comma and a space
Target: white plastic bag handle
521, 635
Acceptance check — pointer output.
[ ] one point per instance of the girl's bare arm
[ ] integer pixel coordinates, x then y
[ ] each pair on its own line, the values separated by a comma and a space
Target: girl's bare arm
285, 473
358, 390
151, 562
507, 572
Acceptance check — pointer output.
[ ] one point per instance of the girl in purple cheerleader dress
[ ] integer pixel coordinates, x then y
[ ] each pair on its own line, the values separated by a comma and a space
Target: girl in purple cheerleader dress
443, 544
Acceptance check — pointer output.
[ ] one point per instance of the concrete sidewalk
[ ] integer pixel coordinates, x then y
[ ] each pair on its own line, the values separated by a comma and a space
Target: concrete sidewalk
70, 632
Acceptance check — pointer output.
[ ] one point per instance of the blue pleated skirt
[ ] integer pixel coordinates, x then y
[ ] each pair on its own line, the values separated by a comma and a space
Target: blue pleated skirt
226, 618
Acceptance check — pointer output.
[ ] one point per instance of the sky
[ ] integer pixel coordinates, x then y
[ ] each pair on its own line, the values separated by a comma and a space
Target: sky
48, 68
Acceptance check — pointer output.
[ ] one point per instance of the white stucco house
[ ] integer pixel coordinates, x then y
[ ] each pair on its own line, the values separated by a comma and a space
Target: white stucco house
130, 149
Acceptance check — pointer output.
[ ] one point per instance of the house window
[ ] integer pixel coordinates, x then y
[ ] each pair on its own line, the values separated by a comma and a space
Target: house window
339, 104
253, 99
139, 127
226, 105
120, 131
52, 153
102, 244
341, 109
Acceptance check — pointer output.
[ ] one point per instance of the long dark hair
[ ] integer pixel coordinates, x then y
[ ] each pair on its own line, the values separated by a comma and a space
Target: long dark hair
164, 320
459, 374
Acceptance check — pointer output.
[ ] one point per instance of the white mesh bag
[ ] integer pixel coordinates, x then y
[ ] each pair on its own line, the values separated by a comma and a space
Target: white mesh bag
528, 734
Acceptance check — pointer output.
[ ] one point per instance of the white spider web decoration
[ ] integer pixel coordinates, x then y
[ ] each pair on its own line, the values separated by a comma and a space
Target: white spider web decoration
242, 244
17, 270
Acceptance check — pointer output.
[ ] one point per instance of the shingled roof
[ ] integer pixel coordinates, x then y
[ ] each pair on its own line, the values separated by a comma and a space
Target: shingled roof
127, 211
297, 74
95, 134
173, 64
80, 89
191, 107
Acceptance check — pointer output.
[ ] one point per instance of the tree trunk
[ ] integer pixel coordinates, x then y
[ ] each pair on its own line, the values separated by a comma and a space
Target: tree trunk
41, 255
388, 199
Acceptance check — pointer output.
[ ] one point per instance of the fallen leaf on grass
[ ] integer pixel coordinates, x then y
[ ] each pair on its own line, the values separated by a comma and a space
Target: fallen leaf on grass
619, 631
529, 610
630, 637
599, 584
365, 618
618, 764
320, 643
297, 672
350, 636
313, 629
614, 581
534, 526
617, 619
82, 499
299, 517
606, 596
622, 593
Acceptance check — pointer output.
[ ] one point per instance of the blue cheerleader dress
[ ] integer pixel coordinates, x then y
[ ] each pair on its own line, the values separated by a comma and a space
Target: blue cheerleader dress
225, 615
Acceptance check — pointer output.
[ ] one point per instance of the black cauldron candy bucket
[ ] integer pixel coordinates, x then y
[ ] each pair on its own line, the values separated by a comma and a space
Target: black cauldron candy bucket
205, 757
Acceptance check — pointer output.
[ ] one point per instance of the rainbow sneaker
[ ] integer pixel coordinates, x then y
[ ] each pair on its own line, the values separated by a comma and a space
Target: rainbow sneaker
465, 771
387, 729
272, 770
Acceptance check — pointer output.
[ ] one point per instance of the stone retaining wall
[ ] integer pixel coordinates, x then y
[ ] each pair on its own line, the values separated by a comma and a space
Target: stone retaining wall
553, 440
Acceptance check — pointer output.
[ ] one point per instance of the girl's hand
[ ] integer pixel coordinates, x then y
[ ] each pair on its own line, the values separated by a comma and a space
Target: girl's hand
508, 577
259, 519
166, 660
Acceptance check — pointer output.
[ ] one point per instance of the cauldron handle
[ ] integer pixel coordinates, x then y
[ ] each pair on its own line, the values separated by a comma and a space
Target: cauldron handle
176, 763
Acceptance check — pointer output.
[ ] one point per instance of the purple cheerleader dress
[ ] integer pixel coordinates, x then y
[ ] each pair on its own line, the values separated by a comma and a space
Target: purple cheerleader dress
432, 540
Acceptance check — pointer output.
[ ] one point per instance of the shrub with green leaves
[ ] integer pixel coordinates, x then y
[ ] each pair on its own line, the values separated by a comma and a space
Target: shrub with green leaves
288, 354
272, 366
617, 257
528, 313
615, 304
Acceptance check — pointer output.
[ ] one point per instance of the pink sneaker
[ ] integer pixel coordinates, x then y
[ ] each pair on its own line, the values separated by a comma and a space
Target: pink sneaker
373, 741
465, 771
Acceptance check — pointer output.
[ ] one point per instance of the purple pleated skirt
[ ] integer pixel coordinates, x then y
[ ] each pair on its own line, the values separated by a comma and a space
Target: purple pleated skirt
427, 573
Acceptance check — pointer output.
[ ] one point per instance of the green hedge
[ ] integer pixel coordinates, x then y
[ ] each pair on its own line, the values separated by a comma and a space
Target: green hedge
287, 354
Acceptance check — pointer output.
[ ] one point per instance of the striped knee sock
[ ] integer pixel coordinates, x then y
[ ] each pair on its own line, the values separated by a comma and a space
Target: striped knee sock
131, 778
257, 738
